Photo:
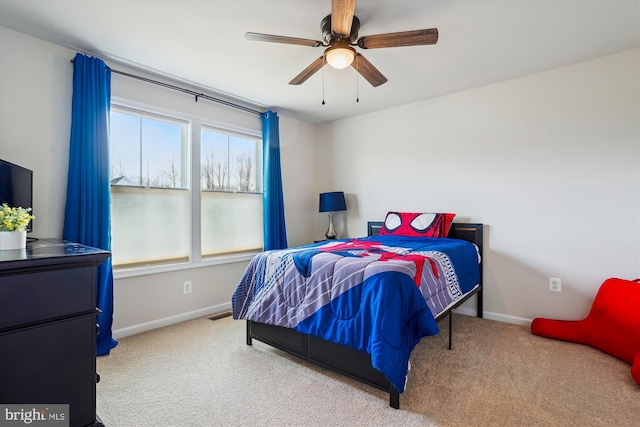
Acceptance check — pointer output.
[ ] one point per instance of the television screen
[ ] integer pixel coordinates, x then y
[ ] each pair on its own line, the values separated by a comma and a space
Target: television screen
16, 187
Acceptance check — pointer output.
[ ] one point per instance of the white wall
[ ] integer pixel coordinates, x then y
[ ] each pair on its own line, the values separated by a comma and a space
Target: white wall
35, 120
35, 116
550, 163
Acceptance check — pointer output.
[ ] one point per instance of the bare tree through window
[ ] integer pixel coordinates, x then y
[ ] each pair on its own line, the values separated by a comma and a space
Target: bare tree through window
173, 174
117, 170
214, 173
146, 181
244, 173
228, 162
207, 173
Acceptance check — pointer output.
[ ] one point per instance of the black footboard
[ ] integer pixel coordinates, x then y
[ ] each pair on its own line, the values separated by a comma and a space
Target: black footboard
338, 358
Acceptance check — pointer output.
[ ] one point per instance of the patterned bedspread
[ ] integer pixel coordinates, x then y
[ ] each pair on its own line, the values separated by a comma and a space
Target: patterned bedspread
376, 294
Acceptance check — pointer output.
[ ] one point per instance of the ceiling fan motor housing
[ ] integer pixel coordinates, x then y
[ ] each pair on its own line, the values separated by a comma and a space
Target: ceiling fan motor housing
329, 37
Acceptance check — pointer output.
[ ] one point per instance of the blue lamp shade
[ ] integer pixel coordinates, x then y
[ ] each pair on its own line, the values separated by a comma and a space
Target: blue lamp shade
332, 202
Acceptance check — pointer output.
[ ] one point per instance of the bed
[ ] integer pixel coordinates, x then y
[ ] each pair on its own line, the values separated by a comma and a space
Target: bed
386, 346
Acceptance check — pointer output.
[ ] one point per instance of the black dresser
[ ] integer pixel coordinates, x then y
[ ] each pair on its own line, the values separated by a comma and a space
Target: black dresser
48, 327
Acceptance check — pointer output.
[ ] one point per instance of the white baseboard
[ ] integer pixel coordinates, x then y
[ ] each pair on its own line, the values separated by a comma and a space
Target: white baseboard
154, 324
495, 316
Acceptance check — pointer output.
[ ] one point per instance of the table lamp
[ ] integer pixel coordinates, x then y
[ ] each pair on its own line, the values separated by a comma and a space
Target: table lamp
332, 202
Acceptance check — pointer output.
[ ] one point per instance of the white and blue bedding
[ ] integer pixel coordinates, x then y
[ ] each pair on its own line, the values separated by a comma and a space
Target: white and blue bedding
379, 295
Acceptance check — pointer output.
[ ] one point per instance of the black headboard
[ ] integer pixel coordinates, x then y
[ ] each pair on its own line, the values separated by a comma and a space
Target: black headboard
373, 228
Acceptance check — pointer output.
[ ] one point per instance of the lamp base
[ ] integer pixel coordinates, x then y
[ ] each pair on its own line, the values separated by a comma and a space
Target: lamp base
331, 232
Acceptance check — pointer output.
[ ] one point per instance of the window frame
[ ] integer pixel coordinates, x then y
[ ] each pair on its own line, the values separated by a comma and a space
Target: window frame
192, 145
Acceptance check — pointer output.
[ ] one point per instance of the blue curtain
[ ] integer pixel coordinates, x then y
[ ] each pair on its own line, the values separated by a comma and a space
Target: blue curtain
87, 216
275, 233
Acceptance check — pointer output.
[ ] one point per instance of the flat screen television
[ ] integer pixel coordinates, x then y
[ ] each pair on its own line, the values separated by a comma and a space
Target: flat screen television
16, 187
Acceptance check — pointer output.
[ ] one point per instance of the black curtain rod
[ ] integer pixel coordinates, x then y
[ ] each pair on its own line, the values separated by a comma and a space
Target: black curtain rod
187, 91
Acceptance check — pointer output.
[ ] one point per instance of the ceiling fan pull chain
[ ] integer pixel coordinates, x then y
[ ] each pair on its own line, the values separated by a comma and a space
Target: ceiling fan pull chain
357, 81
323, 82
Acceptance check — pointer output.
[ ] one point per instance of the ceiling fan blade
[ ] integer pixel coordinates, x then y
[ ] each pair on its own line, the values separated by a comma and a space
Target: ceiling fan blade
342, 16
308, 72
258, 37
403, 38
368, 71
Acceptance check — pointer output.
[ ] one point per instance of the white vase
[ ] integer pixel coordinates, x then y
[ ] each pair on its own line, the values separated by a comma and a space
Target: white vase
13, 240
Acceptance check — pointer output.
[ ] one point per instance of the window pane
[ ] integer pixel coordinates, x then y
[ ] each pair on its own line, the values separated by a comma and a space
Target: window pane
161, 154
149, 224
147, 151
231, 222
124, 146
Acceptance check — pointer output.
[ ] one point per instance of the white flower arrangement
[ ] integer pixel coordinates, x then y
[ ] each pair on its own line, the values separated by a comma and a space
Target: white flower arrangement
14, 219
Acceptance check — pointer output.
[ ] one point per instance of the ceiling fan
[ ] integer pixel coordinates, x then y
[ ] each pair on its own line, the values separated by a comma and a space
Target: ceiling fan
339, 34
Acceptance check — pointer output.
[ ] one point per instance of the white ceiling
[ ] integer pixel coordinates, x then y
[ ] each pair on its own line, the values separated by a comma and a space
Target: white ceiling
481, 42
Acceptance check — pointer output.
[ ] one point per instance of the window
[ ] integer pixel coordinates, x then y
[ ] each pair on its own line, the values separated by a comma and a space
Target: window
231, 197
152, 197
149, 188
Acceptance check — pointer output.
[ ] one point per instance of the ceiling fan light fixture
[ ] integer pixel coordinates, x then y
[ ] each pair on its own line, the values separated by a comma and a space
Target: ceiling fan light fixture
340, 56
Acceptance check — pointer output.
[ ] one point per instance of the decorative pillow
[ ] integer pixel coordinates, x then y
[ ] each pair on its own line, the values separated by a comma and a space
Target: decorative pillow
419, 224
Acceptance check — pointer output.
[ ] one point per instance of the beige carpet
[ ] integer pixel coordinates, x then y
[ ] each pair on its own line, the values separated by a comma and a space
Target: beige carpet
201, 373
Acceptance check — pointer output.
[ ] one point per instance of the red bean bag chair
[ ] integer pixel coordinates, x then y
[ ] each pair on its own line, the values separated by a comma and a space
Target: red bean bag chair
612, 325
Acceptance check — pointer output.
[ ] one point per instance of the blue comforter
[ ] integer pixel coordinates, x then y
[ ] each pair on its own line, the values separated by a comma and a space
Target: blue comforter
376, 294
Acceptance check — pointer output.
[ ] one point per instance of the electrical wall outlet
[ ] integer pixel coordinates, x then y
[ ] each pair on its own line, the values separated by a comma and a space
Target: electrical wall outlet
555, 284
187, 287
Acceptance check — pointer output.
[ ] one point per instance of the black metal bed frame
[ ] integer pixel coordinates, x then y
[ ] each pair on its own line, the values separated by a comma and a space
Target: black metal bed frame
347, 361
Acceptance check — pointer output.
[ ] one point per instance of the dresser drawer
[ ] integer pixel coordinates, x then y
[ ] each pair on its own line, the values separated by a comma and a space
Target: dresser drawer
37, 296
52, 363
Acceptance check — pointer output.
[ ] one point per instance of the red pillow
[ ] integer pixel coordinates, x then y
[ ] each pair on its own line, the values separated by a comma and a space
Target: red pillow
418, 224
